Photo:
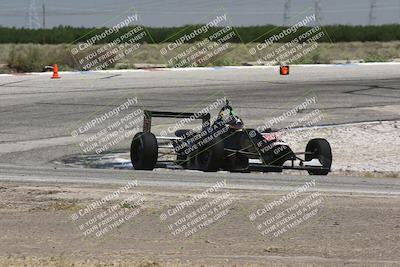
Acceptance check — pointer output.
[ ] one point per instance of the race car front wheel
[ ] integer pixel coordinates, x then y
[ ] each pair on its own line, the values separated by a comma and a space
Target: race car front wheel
144, 151
320, 149
210, 158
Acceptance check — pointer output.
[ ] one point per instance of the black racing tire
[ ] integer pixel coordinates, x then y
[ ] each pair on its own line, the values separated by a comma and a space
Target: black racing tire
321, 150
210, 158
144, 151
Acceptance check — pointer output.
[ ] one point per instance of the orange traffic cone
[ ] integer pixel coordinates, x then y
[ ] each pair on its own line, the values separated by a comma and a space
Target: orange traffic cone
284, 70
55, 72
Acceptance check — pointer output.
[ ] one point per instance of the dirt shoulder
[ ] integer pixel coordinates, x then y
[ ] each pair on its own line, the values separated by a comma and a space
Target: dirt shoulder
39, 228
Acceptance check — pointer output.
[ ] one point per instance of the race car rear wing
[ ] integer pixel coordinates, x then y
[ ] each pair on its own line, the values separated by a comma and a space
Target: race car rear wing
148, 115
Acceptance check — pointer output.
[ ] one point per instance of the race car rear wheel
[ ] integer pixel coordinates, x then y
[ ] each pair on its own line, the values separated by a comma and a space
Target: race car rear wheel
210, 158
144, 151
320, 149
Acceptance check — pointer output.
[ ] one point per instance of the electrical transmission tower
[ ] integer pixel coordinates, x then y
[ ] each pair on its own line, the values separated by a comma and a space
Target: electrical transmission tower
33, 16
372, 12
286, 16
317, 10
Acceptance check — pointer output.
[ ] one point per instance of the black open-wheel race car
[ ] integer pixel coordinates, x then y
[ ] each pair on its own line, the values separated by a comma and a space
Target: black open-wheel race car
224, 144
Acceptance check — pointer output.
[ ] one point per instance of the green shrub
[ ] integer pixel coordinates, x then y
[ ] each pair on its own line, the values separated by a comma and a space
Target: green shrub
69, 35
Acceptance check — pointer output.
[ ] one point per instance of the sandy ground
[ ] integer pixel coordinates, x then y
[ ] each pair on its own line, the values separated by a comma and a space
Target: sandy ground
366, 148
38, 230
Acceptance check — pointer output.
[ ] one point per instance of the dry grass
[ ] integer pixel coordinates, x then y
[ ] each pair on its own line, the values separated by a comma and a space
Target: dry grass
33, 57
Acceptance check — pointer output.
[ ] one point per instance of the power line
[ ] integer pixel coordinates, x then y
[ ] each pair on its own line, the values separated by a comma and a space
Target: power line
33, 16
286, 11
372, 13
317, 9
44, 16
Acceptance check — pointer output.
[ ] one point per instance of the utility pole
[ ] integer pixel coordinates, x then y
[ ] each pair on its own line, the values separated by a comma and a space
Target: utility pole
372, 13
43, 16
33, 16
317, 10
286, 10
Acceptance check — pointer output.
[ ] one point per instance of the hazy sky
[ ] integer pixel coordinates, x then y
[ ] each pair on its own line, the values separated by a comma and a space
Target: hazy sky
180, 12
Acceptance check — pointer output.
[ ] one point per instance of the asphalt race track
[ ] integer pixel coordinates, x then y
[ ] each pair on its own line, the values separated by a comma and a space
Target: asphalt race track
187, 180
38, 114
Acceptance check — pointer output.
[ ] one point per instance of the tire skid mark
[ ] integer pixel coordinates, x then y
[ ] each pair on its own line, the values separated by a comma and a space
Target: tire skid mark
111, 76
5, 84
116, 89
372, 87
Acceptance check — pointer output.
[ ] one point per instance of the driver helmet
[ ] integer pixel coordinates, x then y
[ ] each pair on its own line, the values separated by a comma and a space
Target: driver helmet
231, 119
